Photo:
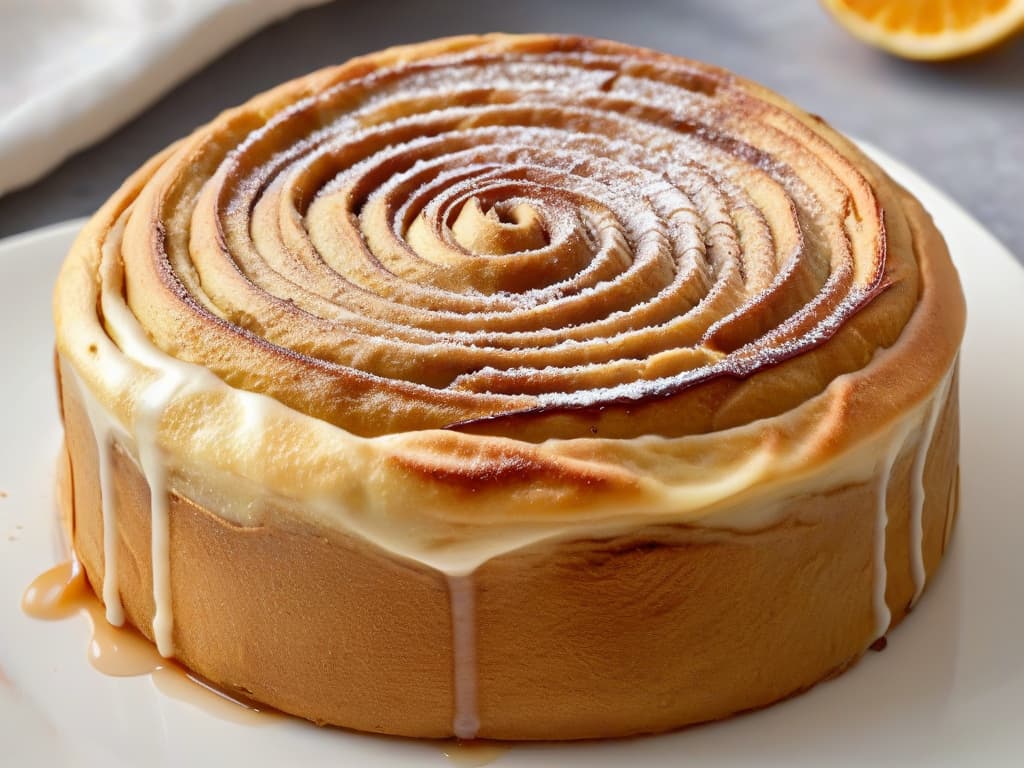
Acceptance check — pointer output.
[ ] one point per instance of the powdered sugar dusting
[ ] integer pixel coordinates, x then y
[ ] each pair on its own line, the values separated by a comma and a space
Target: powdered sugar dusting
655, 211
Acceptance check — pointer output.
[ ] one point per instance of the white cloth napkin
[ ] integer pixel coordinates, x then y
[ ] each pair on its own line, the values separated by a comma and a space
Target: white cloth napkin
73, 70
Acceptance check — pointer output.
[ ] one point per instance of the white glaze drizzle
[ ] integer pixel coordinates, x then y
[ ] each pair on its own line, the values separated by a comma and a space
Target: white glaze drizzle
917, 490
149, 410
173, 379
103, 433
883, 616
951, 507
466, 718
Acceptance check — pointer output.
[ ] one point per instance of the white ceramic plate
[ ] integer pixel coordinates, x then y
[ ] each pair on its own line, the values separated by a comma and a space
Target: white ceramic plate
948, 690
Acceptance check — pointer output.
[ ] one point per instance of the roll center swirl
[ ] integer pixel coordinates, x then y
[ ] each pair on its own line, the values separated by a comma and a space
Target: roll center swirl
502, 229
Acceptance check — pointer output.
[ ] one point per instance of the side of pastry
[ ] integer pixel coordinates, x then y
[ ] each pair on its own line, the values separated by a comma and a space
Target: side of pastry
515, 387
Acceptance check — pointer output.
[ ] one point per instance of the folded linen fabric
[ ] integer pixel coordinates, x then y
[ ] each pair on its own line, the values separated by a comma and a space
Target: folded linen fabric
74, 70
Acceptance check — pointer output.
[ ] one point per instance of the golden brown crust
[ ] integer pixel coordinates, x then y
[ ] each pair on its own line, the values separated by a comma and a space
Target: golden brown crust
625, 336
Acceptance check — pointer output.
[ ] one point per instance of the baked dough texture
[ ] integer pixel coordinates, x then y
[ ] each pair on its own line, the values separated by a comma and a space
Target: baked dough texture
515, 387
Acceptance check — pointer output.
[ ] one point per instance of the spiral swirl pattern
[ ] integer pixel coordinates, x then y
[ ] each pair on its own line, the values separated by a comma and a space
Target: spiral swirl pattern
533, 237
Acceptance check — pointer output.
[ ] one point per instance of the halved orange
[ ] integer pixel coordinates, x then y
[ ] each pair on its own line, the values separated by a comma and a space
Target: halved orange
929, 29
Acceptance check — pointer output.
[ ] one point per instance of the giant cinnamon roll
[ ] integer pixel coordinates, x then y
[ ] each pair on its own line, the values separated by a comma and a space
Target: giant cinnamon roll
513, 387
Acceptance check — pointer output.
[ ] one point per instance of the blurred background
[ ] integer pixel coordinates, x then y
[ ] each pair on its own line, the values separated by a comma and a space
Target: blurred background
959, 123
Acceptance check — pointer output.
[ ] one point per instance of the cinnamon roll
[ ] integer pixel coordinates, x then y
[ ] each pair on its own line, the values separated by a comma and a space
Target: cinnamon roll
518, 387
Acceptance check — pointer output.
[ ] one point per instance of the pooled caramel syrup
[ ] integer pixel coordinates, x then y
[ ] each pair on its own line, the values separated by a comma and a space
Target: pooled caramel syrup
62, 592
56, 594
178, 683
472, 754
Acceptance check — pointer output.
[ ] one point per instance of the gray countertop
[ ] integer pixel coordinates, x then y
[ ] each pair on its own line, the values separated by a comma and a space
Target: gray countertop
960, 124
